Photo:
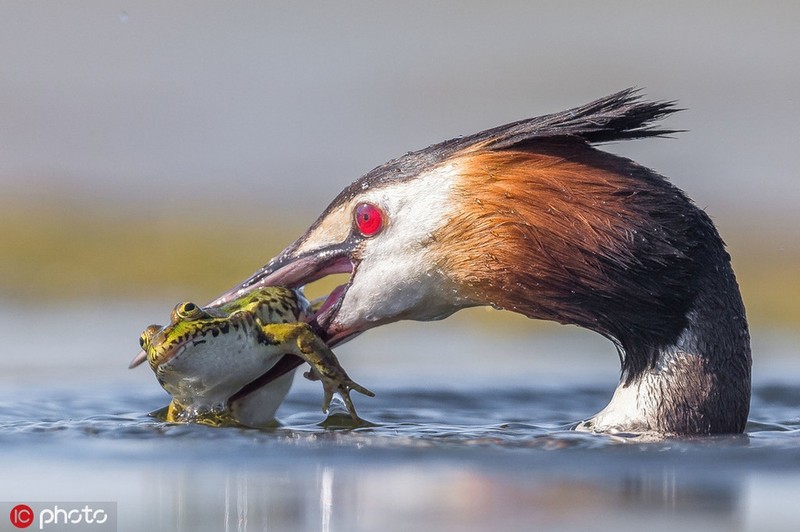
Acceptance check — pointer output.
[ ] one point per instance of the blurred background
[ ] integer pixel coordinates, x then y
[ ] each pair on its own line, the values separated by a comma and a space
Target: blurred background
155, 152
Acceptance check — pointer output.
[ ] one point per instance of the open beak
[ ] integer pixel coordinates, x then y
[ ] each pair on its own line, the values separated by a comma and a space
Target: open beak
294, 269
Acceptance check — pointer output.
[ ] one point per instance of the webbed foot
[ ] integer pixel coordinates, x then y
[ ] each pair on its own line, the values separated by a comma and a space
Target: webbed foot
341, 384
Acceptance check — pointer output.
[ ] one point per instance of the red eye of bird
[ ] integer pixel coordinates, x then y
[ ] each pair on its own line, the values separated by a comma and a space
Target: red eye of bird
369, 219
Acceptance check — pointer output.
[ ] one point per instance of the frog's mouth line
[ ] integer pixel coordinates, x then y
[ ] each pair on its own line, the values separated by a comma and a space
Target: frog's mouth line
174, 350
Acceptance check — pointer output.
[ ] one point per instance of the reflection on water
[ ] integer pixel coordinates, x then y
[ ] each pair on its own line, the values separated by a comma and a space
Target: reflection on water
441, 498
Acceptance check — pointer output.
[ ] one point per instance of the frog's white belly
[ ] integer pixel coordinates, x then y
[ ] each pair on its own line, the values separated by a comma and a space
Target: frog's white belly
208, 370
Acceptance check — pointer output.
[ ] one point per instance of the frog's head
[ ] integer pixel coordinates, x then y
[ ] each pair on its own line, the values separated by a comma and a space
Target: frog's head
192, 356
162, 343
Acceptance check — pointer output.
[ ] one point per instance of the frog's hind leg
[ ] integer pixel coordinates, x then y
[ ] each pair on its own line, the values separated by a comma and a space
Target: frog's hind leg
300, 340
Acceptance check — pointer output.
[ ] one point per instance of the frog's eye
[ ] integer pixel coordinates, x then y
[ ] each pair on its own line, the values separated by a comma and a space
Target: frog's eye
147, 336
188, 311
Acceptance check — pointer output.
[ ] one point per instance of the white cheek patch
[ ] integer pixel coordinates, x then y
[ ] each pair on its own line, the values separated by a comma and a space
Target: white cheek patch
415, 208
398, 276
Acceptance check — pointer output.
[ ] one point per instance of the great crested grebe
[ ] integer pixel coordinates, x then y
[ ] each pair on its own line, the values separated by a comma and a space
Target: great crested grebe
531, 218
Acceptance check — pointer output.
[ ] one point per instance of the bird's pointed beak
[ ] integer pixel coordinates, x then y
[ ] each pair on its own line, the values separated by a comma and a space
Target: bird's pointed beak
292, 270
296, 267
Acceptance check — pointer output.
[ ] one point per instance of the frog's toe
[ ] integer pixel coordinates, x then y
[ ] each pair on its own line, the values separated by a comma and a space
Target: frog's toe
360, 389
326, 400
345, 394
311, 375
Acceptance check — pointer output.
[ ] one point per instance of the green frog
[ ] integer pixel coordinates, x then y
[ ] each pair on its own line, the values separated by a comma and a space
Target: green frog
209, 359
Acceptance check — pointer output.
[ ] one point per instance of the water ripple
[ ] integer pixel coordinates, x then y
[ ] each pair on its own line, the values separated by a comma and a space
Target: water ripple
447, 421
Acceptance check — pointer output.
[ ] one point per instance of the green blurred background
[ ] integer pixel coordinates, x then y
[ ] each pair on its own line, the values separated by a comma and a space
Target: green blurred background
164, 151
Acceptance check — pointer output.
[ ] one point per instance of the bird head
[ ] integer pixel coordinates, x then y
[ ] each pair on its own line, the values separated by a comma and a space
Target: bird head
383, 233
517, 216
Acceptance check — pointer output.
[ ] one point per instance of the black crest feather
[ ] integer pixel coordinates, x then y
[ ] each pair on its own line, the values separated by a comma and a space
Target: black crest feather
619, 116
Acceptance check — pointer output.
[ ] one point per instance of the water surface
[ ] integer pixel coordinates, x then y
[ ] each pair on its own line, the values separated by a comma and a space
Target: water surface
471, 432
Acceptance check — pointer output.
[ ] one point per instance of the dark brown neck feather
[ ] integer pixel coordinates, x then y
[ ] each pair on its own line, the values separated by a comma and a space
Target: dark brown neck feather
558, 230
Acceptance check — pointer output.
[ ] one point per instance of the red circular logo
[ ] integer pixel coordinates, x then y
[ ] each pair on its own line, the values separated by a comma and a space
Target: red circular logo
21, 516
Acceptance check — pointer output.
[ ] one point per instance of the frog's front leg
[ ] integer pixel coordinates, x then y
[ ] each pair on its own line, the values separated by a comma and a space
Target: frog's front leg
174, 412
299, 339
177, 413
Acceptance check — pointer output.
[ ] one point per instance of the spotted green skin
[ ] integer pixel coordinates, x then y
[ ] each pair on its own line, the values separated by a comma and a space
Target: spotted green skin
206, 355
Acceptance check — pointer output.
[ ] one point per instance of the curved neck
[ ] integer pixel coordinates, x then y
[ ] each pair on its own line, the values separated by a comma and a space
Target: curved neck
700, 384
567, 233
